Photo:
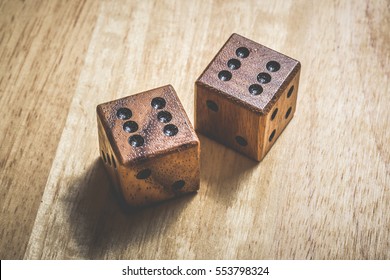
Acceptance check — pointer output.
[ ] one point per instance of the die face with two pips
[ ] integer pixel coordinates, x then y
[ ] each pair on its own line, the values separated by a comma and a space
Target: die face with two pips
149, 147
246, 96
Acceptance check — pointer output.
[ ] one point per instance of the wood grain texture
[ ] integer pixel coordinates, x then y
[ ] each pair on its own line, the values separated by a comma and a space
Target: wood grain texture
42, 52
322, 192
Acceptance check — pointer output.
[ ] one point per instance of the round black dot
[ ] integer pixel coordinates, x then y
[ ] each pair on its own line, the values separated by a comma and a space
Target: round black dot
274, 114
136, 140
255, 89
264, 78
224, 75
158, 103
170, 130
241, 141
273, 66
212, 105
104, 157
234, 64
164, 116
288, 113
272, 135
178, 185
144, 174
242, 52
290, 91
130, 126
124, 113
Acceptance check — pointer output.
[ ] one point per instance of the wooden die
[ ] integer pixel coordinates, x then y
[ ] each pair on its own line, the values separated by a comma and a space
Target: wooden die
149, 147
246, 96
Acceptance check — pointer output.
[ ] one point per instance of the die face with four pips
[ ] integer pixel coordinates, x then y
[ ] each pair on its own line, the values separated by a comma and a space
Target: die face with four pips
149, 147
246, 96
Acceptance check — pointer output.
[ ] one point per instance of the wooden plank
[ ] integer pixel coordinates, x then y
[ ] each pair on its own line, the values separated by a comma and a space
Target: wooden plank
321, 192
42, 45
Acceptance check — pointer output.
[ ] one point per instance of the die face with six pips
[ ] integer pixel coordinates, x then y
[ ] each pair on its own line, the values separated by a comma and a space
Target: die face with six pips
149, 147
246, 96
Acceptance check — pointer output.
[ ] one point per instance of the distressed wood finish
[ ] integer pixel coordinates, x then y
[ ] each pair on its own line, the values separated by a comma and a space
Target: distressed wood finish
246, 96
43, 45
148, 146
322, 191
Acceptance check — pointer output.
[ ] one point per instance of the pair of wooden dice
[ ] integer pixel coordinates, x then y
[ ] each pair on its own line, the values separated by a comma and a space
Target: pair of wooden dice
244, 99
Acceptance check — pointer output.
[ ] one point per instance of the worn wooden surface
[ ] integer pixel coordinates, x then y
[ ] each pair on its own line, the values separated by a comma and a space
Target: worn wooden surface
322, 191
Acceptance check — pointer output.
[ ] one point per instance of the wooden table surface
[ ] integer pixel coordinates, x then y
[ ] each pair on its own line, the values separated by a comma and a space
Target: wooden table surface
322, 192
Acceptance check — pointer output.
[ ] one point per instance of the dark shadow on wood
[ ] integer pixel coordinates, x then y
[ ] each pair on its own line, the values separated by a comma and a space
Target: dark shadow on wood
221, 170
100, 225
